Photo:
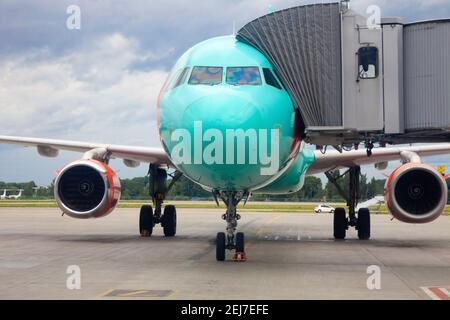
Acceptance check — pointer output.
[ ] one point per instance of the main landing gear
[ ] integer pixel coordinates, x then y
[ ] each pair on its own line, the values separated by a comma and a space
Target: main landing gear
148, 217
230, 240
361, 221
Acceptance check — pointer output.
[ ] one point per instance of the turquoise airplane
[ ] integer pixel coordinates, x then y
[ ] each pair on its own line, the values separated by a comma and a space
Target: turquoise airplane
227, 123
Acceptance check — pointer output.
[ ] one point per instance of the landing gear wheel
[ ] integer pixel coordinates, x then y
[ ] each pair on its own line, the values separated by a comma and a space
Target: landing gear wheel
240, 242
340, 224
169, 221
220, 246
363, 224
146, 221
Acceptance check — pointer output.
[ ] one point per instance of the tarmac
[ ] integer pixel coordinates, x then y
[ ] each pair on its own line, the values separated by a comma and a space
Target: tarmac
44, 255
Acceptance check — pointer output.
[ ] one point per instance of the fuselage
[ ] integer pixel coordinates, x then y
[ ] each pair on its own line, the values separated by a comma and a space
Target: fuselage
225, 119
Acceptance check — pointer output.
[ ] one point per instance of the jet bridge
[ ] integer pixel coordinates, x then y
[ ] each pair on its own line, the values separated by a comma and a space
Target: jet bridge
353, 82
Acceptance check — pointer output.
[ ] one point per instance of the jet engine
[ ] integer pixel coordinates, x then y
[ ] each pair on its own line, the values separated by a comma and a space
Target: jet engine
87, 189
416, 193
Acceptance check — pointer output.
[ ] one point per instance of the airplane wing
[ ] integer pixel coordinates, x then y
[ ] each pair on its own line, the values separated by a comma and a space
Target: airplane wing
324, 162
335, 160
50, 148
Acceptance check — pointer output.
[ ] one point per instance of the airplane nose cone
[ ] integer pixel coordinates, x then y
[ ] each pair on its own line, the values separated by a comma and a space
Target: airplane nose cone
222, 112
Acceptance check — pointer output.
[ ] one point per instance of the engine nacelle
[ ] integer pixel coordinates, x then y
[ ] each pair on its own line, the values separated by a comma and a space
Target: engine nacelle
416, 193
87, 189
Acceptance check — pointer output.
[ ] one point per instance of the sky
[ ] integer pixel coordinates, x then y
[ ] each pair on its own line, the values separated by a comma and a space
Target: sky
100, 83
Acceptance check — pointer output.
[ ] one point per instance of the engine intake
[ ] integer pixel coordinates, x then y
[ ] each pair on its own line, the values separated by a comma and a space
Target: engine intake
87, 189
416, 193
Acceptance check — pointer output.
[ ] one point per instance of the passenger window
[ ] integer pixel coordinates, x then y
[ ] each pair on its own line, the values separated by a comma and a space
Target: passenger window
270, 78
206, 75
368, 63
240, 76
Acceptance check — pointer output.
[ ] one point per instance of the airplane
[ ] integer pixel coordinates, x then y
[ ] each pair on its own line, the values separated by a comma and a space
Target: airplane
227, 123
17, 196
3, 196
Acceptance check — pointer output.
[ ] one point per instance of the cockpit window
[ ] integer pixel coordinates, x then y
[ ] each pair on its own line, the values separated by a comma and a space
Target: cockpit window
181, 78
206, 75
178, 78
239, 76
270, 78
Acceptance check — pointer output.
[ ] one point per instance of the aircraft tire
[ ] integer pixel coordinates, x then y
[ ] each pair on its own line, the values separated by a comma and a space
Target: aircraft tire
169, 221
340, 224
363, 224
220, 246
240, 242
146, 221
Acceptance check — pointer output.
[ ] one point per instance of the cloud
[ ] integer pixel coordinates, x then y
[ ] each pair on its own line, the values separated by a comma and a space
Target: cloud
91, 92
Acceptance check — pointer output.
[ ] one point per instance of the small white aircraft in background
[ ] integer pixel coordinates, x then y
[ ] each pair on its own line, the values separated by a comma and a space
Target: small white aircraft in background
4, 196
15, 197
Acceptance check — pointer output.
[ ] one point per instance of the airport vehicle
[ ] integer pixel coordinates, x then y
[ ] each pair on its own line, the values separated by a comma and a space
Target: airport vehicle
324, 208
227, 122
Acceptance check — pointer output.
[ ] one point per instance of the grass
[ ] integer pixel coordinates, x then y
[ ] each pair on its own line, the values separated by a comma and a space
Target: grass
260, 206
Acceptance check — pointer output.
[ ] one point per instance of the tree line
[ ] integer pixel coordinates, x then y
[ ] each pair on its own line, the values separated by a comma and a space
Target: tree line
185, 189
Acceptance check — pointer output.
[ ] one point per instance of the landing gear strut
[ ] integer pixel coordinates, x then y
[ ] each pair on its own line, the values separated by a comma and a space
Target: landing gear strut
158, 189
360, 222
230, 240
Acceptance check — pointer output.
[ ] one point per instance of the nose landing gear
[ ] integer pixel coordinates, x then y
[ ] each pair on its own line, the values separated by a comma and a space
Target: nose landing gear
230, 240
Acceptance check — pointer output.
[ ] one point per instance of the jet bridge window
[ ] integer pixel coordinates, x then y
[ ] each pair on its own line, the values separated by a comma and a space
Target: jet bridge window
239, 76
210, 76
368, 63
